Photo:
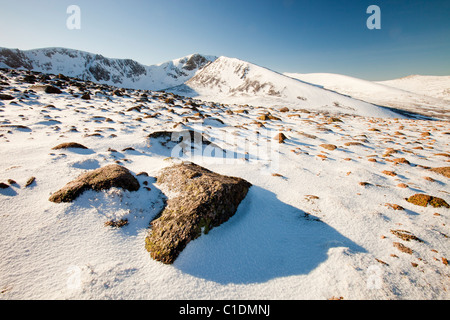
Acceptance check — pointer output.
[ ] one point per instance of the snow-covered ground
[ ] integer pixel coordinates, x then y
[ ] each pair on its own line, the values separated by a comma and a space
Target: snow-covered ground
316, 224
427, 95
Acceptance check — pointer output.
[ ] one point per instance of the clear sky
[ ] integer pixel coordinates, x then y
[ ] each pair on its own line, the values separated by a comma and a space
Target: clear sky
303, 36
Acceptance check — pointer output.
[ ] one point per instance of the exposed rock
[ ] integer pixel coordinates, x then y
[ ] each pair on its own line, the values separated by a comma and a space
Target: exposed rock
405, 235
401, 160
29, 78
424, 200
6, 97
394, 206
327, 146
116, 224
3, 185
353, 143
389, 173
204, 200
402, 248
30, 182
66, 145
107, 177
185, 139
47, 89
445, 171
280, 137
16, 126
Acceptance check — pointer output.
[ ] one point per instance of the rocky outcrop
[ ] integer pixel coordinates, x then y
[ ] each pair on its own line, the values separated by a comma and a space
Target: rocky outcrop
107, 177
204, 200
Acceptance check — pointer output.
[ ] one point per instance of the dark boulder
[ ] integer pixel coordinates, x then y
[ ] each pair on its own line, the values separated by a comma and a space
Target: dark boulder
107, 177
6, 97
205, 200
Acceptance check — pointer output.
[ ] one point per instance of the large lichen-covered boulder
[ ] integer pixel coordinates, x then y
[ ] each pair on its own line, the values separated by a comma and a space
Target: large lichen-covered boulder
203, 200
107, 177
425, 200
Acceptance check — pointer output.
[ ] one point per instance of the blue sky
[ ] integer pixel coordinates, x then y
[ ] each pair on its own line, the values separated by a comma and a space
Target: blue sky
301, 36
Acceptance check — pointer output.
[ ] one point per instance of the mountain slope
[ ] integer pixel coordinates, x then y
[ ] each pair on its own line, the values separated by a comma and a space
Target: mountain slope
382, 93
230, 80
433, 86
94, 67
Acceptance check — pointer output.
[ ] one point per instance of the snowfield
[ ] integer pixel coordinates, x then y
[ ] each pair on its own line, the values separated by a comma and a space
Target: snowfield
426, 95
319, 222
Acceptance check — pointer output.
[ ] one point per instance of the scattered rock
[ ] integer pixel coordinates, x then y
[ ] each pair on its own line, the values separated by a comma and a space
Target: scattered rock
394, 206
405, 235
403, 248
6, 97
401, 160
107, 177
186, 139
389, 152
353, 143
47, 89
280, 137
67, 145
424, 200
116, 224
445, 171
307, 135
327, 146
3, 185
205, 200
389, 173
30, 182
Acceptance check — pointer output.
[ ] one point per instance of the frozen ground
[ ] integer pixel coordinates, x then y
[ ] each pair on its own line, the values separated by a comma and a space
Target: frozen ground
316, 224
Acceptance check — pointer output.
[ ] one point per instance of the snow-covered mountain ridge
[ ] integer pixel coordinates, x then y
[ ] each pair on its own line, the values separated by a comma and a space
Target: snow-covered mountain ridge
95, 67
234, 81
